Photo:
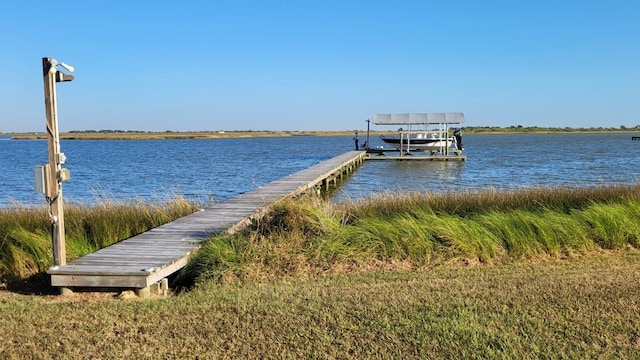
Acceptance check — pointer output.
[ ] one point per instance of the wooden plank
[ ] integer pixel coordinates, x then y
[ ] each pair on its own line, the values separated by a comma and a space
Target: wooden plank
100, 281
118, 265
126, 260
129, 269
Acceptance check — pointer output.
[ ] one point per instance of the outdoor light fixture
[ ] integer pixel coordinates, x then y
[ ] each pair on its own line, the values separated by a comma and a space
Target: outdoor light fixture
49, 177
60, 76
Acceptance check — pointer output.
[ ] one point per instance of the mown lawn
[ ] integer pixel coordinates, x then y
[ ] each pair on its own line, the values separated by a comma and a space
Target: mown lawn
583, 307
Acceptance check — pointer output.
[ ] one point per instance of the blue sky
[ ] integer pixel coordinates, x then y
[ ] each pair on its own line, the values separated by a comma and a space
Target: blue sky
321, 65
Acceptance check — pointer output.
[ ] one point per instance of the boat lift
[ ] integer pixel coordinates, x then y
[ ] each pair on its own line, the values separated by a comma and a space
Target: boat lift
412, 120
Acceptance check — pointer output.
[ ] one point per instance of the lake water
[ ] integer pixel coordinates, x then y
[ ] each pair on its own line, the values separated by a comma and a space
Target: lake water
218, 169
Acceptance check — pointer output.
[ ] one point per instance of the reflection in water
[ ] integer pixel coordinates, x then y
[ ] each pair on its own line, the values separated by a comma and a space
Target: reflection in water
389, 176
508, 162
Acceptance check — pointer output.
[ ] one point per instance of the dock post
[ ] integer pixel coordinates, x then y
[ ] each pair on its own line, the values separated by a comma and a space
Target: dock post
144, 292
164, 286
368, 123
65, 291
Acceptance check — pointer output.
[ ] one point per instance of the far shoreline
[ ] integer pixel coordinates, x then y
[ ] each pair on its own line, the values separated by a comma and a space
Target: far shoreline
169, 135
219, 134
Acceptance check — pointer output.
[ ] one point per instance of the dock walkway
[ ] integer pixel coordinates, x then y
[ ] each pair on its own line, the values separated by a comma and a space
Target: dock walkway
147, 258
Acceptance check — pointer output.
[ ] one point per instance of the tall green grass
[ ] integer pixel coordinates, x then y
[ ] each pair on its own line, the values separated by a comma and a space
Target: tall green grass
613, 226
25, 236
309, 236
466, 203
312, 236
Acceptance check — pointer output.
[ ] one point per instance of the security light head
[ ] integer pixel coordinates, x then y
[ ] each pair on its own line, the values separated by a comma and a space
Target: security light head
55, 63
67, 66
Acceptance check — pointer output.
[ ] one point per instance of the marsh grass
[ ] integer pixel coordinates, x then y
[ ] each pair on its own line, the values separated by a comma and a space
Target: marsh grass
615, 225
466, 203
311, 236
25, 235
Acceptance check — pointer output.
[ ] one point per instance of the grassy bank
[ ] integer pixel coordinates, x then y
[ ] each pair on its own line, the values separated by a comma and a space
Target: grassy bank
584, 307
302, 238
25, 236
391, 277
310, 236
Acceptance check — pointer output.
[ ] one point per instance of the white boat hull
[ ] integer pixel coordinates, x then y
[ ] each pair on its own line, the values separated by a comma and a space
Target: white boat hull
420, 144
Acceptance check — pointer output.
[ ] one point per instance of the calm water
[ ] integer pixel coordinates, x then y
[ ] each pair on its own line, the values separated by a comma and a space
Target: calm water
511, 161
217, 169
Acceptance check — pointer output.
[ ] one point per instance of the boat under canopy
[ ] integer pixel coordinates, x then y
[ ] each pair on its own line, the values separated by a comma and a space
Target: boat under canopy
418, 136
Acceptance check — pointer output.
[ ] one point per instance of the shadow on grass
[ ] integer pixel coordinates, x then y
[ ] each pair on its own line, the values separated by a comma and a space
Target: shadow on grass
38, 284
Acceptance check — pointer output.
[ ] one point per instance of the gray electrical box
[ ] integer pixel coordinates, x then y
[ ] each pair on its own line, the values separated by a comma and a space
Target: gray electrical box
40, 173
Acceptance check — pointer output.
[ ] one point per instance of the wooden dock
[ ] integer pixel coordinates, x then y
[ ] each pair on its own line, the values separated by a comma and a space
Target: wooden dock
383, 154
150, 257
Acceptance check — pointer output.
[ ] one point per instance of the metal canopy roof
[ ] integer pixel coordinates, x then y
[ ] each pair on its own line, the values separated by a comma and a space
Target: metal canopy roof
418, 118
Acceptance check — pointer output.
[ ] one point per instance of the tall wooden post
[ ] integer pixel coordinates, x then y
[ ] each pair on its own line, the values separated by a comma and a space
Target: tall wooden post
368, 145
53, 187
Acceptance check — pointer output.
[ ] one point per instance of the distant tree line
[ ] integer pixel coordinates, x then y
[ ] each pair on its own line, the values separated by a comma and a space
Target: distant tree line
110, 131
540, 129
467, 129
